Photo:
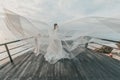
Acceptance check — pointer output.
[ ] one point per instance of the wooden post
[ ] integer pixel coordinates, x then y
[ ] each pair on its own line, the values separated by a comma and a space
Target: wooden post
11, 60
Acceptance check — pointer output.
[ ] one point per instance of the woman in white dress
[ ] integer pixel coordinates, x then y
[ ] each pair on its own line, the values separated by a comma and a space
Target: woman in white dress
55, 50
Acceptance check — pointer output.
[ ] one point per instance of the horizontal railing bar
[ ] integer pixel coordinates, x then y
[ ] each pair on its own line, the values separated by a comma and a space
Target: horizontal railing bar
18, 46
3, 52
4, 58
15, 53
21, 51
32, 37
8, 50
15, 41
14, 48
107, 40
110, 40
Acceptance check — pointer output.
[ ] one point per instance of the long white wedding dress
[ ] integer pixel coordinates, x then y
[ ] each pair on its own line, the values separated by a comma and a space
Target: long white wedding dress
55, 50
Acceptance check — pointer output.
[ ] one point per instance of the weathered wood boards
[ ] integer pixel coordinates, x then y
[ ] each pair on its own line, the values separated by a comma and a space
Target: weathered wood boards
86, 66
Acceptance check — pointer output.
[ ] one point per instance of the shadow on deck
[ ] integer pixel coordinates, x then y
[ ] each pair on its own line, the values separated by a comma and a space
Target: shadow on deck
85, 66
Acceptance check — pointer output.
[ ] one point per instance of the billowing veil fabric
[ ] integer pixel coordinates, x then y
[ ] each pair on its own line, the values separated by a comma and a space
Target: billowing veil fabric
54, 50
23, 28
68, 40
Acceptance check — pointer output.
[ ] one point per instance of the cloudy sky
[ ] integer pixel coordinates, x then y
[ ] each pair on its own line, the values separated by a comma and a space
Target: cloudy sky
60, 11
51, 11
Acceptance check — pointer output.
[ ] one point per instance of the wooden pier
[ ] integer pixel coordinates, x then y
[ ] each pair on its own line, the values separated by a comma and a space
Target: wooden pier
85, 66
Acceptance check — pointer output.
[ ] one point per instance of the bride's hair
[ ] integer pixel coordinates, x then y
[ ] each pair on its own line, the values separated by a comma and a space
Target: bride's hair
55, 26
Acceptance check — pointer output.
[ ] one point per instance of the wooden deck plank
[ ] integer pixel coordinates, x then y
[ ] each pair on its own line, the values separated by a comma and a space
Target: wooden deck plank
85, 66
15, 68
6, 69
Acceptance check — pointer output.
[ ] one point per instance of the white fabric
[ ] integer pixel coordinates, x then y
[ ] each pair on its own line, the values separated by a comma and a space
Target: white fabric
37, 45
54, 50
68, 40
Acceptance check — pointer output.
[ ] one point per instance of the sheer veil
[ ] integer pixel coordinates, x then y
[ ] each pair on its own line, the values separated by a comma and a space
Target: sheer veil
68, 40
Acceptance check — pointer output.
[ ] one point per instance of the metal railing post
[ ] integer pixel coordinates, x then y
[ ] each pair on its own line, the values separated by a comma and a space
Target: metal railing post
11, 60
9, 49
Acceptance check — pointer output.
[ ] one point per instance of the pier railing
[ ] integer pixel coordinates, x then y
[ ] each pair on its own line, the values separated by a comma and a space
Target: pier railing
8, 49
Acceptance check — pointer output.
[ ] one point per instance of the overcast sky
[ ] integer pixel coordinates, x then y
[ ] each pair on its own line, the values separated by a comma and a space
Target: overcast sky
51, 11
60, 11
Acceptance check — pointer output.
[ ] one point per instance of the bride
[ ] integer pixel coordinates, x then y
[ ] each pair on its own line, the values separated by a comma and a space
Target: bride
55, 50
